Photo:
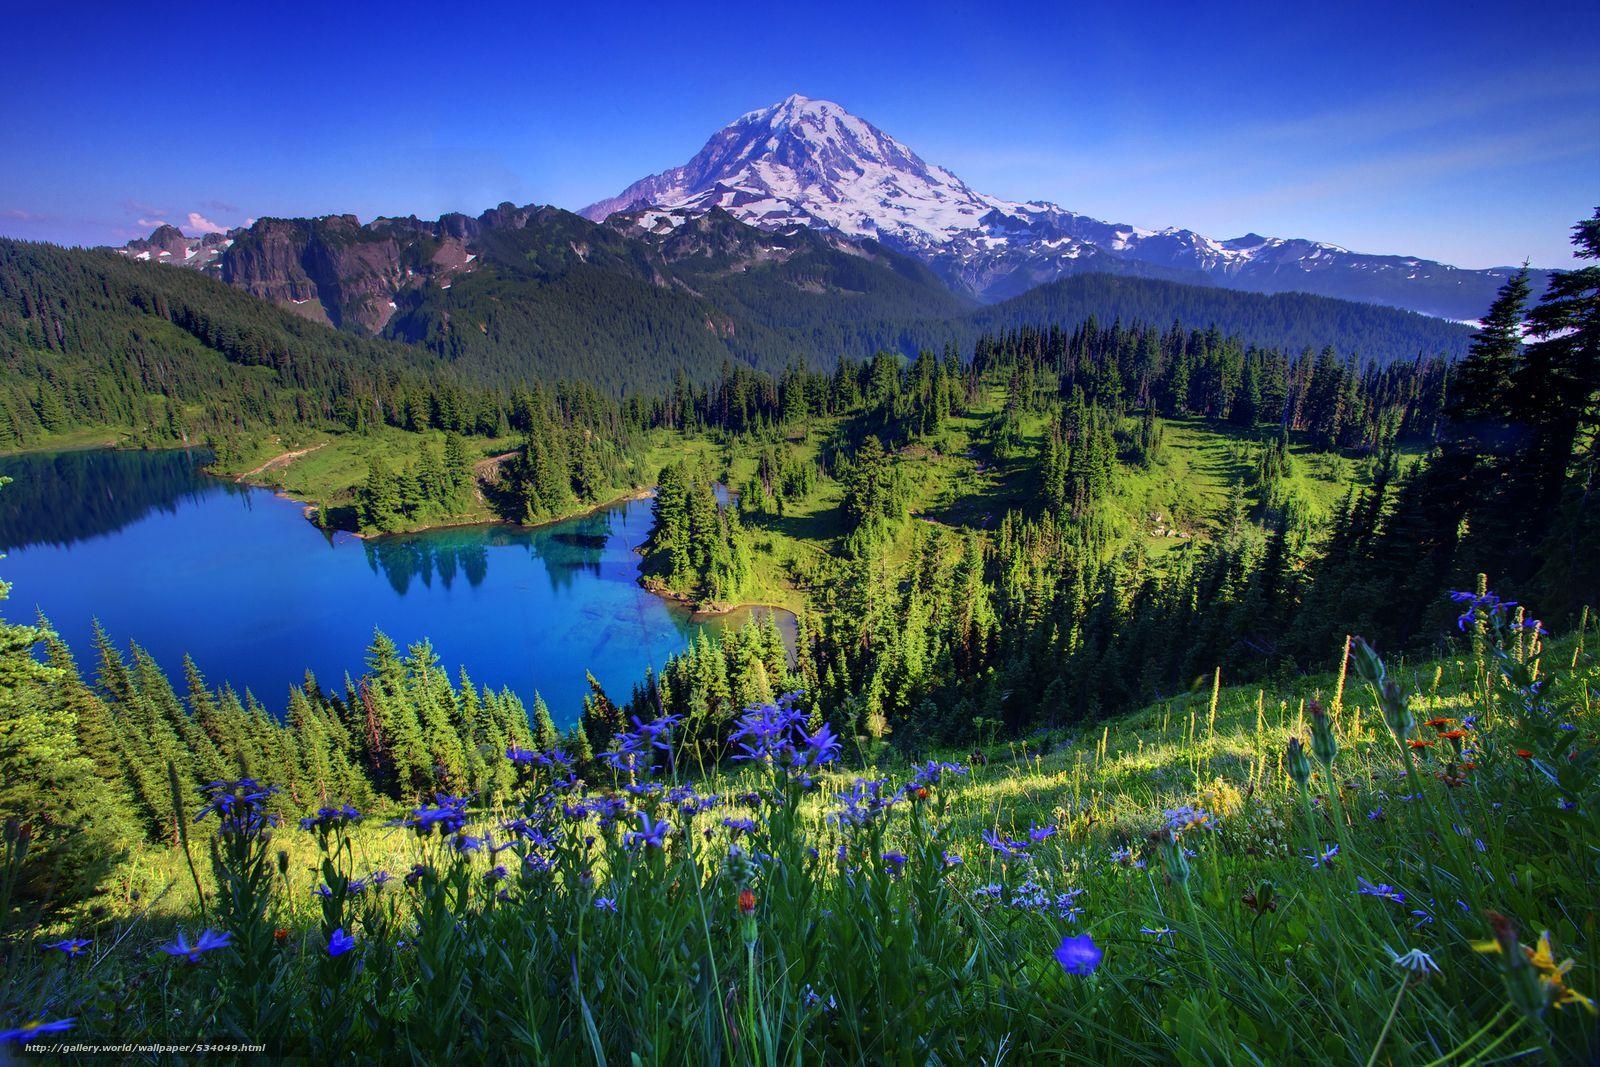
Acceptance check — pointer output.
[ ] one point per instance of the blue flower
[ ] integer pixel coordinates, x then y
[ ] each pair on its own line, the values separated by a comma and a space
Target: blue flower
1040, 834
1384, 892
933, 772
206, 942
1078, 955
1004, 845
340, 942
1325, 858
865, 801
447, 813
606, 903
330, 818
240, 807
28, 1031
895, 861
651, 833
72, 947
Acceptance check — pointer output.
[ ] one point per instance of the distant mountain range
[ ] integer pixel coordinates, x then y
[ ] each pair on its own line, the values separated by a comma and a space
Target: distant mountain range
801, 233
812, 163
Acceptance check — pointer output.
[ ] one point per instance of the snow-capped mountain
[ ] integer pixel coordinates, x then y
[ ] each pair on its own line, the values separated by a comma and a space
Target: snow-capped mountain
812, 163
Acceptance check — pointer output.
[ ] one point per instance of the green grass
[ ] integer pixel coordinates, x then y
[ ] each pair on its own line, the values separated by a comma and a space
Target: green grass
1244, 950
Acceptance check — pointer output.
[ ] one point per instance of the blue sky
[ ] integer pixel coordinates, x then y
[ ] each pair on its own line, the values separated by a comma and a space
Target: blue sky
1463, 132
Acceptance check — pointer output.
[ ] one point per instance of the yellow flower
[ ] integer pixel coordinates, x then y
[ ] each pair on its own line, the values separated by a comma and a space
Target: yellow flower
1544, 959
1553, 975
1486, 946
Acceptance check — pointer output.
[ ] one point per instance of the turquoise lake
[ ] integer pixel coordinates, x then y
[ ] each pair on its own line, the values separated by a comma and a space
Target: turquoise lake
180, 562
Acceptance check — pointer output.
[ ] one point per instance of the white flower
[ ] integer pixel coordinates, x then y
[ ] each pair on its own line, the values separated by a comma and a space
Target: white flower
1415, 960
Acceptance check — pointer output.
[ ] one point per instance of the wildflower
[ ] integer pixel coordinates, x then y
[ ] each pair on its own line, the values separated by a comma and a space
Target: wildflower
864, 803
933, 772
740, 826
1415, 961
340, 942
1375, 815
1040, 834
71, 947
1183, 819
1524, 753
281, 934
418, 872
1157, 932
240, 807
520, 755
28, 1031
1439, 723
1078, 955
895, 862
327, 819
747, 901
1552, 975
651, 834
447, 813
1325, 858
1382, 891
497, 873
1452, 735
951, 859
206, 942
606, 903
1004, 845
1418, 743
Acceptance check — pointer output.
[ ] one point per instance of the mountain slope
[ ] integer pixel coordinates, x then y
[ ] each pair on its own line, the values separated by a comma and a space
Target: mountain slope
1289, 321
812, 163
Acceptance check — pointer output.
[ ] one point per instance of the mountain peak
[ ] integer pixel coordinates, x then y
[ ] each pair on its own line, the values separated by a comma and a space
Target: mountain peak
811, 162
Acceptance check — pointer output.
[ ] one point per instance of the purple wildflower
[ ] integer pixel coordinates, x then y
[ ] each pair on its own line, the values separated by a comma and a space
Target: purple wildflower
28, 1031
1382, 891
1323, 859
1004, 845
340, 942
206, 942
71, 947
1079, 955
651, 833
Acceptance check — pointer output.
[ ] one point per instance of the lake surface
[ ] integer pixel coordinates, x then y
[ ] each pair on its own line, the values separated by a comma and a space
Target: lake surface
179, 562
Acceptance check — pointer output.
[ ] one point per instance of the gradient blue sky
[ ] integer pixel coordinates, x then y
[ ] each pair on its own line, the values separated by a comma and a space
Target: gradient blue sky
1458, 131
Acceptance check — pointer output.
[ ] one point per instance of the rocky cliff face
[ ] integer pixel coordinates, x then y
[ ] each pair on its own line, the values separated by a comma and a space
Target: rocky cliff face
330, 268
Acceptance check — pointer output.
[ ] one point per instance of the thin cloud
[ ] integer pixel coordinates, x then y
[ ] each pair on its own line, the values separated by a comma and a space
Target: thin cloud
200, 223
219, 205
20, 215
150, 224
